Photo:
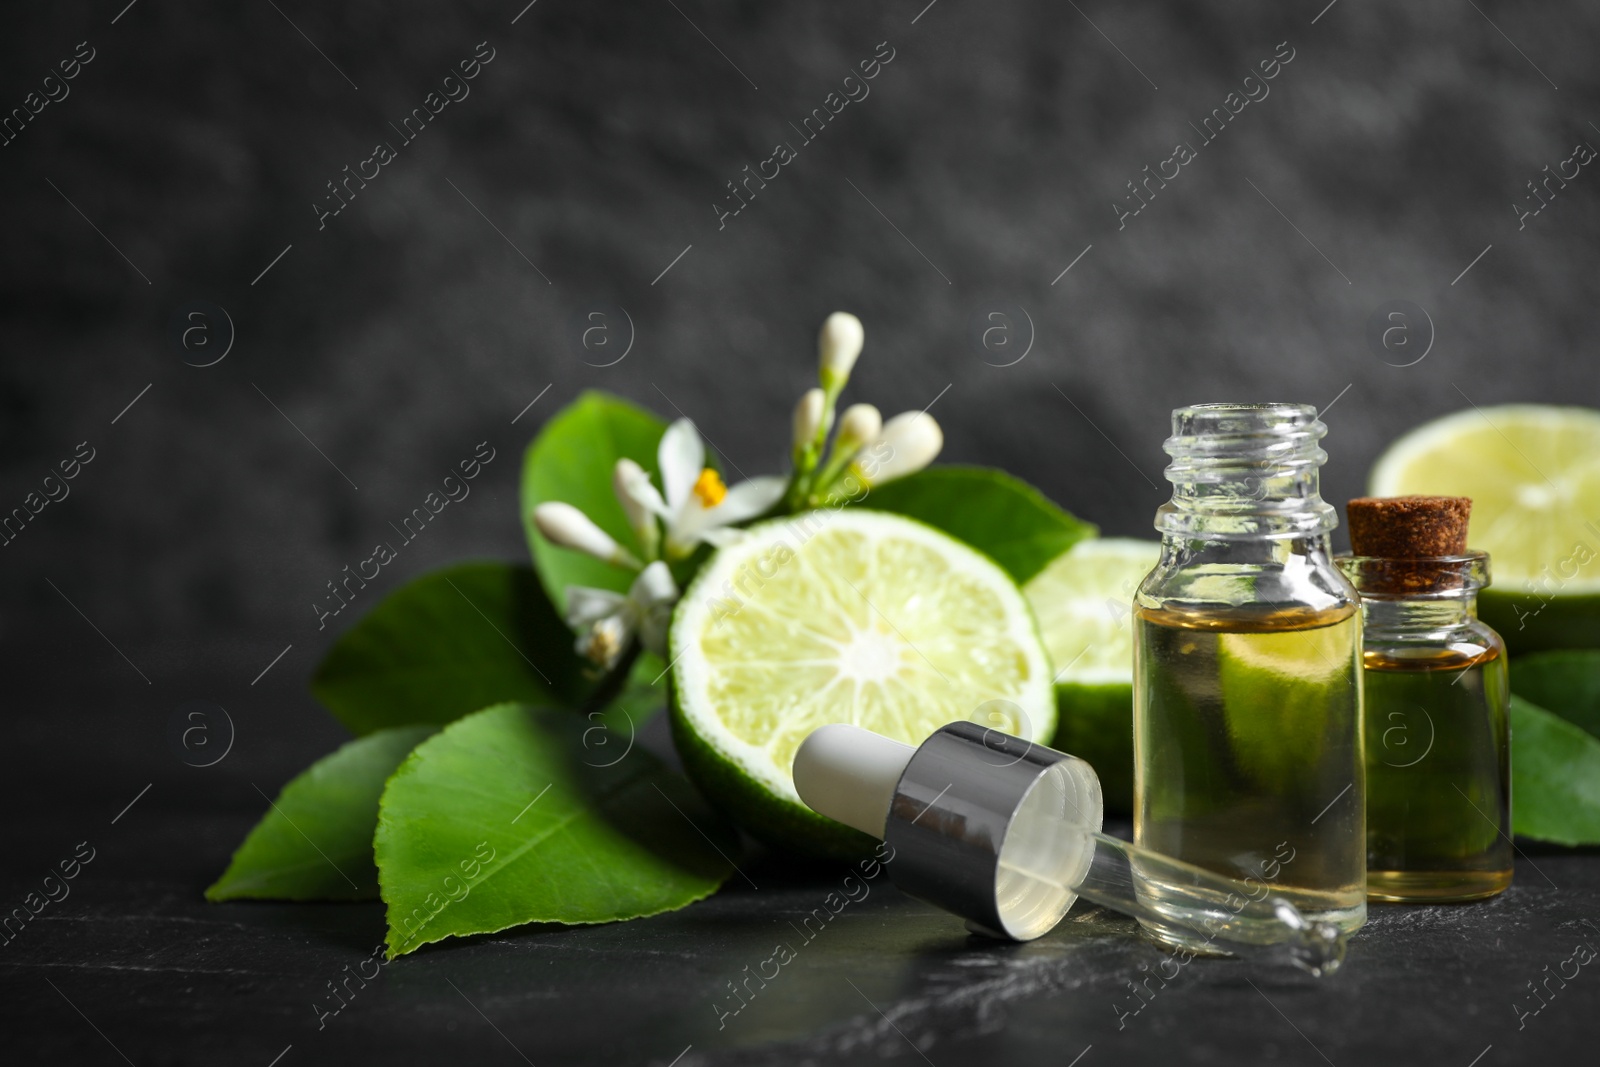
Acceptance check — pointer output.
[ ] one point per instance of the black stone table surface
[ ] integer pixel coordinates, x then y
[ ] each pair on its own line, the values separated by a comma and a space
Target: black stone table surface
134, 966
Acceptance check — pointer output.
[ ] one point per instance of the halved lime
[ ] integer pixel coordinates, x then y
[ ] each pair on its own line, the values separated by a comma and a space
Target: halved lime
1533, 473
1282, 693
1084, 600
849, 616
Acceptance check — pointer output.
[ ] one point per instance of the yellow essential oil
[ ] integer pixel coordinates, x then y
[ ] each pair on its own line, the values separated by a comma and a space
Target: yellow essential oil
1248, 744
1438, 745
1438, 814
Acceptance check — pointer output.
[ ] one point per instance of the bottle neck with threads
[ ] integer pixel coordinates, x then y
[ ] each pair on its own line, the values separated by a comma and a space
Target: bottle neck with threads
1246, 524
1244, 472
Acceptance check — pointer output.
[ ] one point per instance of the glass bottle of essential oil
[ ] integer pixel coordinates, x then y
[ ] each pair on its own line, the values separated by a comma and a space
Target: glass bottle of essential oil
1247, 717
1437, 695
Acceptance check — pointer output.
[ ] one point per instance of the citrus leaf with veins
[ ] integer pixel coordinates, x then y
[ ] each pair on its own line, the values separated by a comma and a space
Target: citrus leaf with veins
1555, 777
1004, 517
448, 643
315, 841
512, 815
572, 461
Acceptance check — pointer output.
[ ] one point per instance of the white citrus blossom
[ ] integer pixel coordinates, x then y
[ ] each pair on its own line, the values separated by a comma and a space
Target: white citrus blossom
859, 424
606, 621
696, 505
838, 345
906, 444
624, 482
808, 417
565, 525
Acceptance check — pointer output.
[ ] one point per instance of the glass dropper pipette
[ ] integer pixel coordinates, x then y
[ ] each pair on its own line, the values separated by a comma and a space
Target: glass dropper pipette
1005, 833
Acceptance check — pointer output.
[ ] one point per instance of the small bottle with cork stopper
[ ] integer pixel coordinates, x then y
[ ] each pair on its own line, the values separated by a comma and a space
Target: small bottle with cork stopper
1438, 753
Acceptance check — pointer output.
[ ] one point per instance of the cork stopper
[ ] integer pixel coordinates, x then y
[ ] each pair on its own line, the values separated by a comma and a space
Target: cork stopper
1410, 531
1409, 527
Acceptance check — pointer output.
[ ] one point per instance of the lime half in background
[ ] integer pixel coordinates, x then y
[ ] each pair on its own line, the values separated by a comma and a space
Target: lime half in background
1533, 473
852, 616
1084, 602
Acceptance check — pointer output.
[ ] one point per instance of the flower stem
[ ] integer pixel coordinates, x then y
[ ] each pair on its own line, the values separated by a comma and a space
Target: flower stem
614, 681
823, 484
797, 497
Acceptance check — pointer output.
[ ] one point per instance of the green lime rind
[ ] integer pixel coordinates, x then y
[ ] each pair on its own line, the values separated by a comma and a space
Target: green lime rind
1531, 623
1083, 602
779, 822
1095, 723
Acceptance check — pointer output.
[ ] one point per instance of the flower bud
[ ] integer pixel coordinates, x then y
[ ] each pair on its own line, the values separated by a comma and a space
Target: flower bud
859, 424
907, 443
838, 345
808, 417
634, 491
564, 525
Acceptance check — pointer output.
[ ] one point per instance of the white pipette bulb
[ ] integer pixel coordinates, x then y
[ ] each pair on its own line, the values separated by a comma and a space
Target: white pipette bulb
849, 775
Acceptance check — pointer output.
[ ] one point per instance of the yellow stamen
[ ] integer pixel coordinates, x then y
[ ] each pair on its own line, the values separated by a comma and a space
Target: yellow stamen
709, 488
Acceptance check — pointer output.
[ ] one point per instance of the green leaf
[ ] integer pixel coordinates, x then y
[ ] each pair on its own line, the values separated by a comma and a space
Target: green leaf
447, 644
1564, 683
1555, 777
1010, 520
315, 842
645, 692
518, 815
572, 460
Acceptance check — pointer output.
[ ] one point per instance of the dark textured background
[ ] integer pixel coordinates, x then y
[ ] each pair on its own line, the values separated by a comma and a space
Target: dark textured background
597, 141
